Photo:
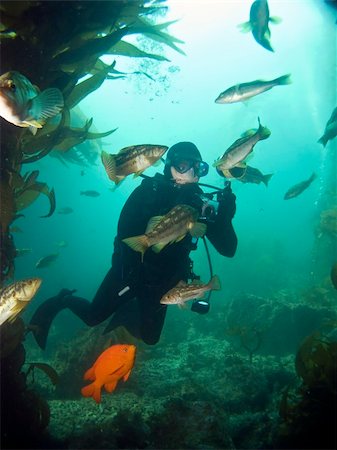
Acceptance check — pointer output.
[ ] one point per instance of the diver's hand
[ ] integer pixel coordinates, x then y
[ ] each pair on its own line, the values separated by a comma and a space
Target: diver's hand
227, 205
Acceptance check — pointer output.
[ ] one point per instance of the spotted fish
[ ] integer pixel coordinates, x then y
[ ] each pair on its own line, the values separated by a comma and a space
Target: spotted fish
16, 296
134, 159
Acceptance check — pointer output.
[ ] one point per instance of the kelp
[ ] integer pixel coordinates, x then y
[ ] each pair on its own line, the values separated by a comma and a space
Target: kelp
45, 368
83, 31
308, 412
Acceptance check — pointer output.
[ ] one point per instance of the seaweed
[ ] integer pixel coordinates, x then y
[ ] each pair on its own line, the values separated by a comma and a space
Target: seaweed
308, 413
82, 33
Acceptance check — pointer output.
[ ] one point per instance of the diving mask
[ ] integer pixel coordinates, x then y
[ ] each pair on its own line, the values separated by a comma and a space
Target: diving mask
184, 165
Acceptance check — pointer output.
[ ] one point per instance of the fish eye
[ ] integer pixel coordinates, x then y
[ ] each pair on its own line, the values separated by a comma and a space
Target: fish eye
12, 86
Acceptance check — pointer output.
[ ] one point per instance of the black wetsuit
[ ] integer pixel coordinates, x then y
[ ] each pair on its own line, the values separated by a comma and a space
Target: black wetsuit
139, 308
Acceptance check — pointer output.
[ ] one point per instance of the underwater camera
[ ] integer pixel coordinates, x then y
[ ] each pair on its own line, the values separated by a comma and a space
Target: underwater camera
200, 306
209, 208
210, 205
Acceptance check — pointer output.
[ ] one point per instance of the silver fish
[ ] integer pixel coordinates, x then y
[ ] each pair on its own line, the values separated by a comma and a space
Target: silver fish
172, 227
241, 148
299, 188
23, 105
184, 292
244, 91
15, 297
330, 131
90, 193
134, 159
258, 24
45, 261
65, 210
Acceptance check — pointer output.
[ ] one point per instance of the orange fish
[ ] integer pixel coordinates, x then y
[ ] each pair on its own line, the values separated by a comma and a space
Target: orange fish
114, 363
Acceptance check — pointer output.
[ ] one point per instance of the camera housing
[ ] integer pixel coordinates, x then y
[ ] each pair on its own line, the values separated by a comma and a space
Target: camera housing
200, 306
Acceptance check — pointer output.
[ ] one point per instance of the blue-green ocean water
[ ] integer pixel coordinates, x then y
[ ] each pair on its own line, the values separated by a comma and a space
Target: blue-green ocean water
282, 250
276, 237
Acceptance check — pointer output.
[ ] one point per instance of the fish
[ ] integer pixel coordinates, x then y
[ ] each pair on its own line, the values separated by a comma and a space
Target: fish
16, 296
330, 131
62, 244
65, 210
22, 103
114, 363
184, 292
90, 193
246, 174
333, 275
22, 251
45, 261
244, 91
133, 159
163, 230
241, 148
298, 188
258, 23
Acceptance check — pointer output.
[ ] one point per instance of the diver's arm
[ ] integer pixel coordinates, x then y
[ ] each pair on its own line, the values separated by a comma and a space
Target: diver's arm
221, 232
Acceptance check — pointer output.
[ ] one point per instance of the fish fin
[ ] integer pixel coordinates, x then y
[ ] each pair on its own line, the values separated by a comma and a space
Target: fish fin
116, 370
126, 376
217, 162
323, 140
33, 129
138, 243
214, 284
196, 283
15, 312
89, 374
181, 283
182, 305
158, 247
198, 229
137, 174
152, 223
92, 390
266, 178
111, 386
249, 133
283, 80
245, 27
275, 20
180, 238
109, 163
47, 104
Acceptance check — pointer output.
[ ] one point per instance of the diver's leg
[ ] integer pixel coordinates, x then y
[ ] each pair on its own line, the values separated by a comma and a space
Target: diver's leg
104, 303
152, 317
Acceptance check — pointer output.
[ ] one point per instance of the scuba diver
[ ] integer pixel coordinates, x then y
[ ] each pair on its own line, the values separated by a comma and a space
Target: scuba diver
132, 289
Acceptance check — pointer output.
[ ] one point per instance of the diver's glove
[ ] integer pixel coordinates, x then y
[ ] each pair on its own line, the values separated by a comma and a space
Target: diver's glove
227, 204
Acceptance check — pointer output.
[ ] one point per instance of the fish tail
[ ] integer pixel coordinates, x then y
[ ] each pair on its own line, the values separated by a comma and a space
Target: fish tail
283, 80
138, 243
264, 132
92, 390
323, 140
109, 163
214, 284
266, 178
313, 177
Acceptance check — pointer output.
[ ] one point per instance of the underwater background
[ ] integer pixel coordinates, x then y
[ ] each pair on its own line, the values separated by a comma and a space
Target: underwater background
234, 378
